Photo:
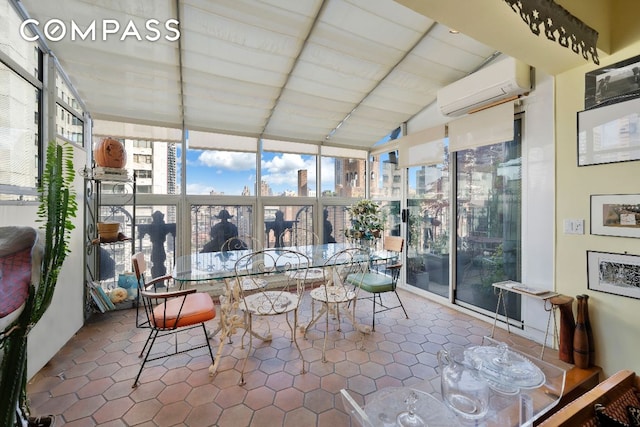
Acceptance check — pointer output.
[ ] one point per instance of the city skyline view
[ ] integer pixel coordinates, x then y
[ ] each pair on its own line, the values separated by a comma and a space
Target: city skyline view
226, 172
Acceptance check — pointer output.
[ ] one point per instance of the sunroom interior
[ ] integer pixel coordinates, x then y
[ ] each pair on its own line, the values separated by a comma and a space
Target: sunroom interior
305, 108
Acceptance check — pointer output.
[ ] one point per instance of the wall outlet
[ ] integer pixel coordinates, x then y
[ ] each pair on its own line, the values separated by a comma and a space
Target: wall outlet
574, 226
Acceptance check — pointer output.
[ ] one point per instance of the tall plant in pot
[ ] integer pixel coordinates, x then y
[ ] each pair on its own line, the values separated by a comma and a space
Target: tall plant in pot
56, 211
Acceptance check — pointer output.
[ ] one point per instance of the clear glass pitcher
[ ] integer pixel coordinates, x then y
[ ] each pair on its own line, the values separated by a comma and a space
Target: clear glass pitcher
462, 389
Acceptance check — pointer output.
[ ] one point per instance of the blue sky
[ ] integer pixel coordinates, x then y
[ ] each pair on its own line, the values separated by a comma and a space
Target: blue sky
230, 172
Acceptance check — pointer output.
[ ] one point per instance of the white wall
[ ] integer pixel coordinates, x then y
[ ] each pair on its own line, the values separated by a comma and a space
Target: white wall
65, 315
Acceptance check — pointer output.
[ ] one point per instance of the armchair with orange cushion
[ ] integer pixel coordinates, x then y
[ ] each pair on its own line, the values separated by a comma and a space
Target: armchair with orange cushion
169, 312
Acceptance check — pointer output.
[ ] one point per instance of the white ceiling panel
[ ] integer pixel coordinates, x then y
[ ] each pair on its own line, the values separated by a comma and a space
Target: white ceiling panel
339, 72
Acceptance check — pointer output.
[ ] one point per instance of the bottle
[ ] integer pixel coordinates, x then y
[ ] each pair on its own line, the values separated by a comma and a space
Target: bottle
580, 338
587, 324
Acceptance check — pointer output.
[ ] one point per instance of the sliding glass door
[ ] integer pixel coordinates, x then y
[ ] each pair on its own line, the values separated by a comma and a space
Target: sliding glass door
427, 219
488, 223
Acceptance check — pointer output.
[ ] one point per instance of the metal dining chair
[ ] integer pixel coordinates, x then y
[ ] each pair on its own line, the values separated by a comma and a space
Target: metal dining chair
269, 282
383, 279
169, 312
335, 293
299, 236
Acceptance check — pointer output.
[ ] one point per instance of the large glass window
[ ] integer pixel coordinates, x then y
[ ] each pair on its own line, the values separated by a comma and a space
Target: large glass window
288, 174
214, 225
343, 177
488, 222
334, 224
19, 133
428, 227
288, 225
155, 165
25, 54
385, 178
215, 172
68, 125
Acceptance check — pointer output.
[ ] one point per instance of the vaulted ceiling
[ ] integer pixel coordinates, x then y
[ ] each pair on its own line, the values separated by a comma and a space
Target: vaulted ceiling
336, 72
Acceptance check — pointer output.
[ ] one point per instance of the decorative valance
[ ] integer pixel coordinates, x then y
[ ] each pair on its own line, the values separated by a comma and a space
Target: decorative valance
559, 25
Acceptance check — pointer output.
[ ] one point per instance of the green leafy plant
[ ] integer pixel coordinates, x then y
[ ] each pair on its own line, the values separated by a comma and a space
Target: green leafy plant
57, 208
367, 220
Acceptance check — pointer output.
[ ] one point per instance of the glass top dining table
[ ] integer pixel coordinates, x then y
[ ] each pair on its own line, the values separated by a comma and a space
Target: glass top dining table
218, 266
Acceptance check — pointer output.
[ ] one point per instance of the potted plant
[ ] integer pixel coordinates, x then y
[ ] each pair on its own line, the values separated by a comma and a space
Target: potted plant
367, 220
56, 210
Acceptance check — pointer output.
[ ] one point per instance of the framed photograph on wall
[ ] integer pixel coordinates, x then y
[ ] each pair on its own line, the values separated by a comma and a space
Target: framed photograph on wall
614, 83
617, 274
615, 215
609, 134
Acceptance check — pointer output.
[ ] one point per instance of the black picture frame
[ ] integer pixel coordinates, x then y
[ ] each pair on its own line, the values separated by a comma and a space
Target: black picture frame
615, 215
612, 273
609, 134
611, 84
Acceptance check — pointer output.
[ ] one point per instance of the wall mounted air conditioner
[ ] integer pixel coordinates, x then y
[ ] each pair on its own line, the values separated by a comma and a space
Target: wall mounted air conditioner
496, 83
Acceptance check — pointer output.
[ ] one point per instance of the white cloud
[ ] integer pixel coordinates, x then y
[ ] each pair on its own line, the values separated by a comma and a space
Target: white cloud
283, 169
228, 160
199, 188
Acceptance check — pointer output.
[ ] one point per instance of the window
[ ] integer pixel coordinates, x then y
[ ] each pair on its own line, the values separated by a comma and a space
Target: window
68, 126
288, 174
340, 177
19, 135
143, 159
212, 225
488, 223
428, 227
25, 54
141, 144
287, 225
215, 172
385, 176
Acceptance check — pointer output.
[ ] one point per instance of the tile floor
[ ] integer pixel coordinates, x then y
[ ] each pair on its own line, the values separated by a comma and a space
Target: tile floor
88, 383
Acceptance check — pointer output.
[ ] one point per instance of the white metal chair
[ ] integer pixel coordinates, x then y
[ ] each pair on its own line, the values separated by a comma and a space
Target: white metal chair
299, 236
335, 294
269, 282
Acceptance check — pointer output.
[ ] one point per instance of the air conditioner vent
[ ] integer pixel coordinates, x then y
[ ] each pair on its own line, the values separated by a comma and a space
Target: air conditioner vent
506, 79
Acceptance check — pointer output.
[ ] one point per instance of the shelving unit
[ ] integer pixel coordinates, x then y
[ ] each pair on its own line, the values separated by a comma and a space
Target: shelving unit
105, 260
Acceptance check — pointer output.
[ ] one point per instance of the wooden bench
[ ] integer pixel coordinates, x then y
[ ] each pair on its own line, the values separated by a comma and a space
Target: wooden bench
581, 412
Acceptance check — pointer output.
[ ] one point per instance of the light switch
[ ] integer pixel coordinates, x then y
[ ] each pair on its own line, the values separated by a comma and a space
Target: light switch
574, 226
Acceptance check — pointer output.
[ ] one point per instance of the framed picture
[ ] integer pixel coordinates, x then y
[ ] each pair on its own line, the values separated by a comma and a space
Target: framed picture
615, 215
617, 274
609, 134
614, 83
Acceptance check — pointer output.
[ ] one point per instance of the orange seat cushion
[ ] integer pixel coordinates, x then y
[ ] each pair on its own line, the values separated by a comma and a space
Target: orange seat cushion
197, 308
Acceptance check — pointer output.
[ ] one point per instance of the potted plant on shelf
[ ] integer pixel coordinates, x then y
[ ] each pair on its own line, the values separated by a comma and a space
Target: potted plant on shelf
56, 210
367, 221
